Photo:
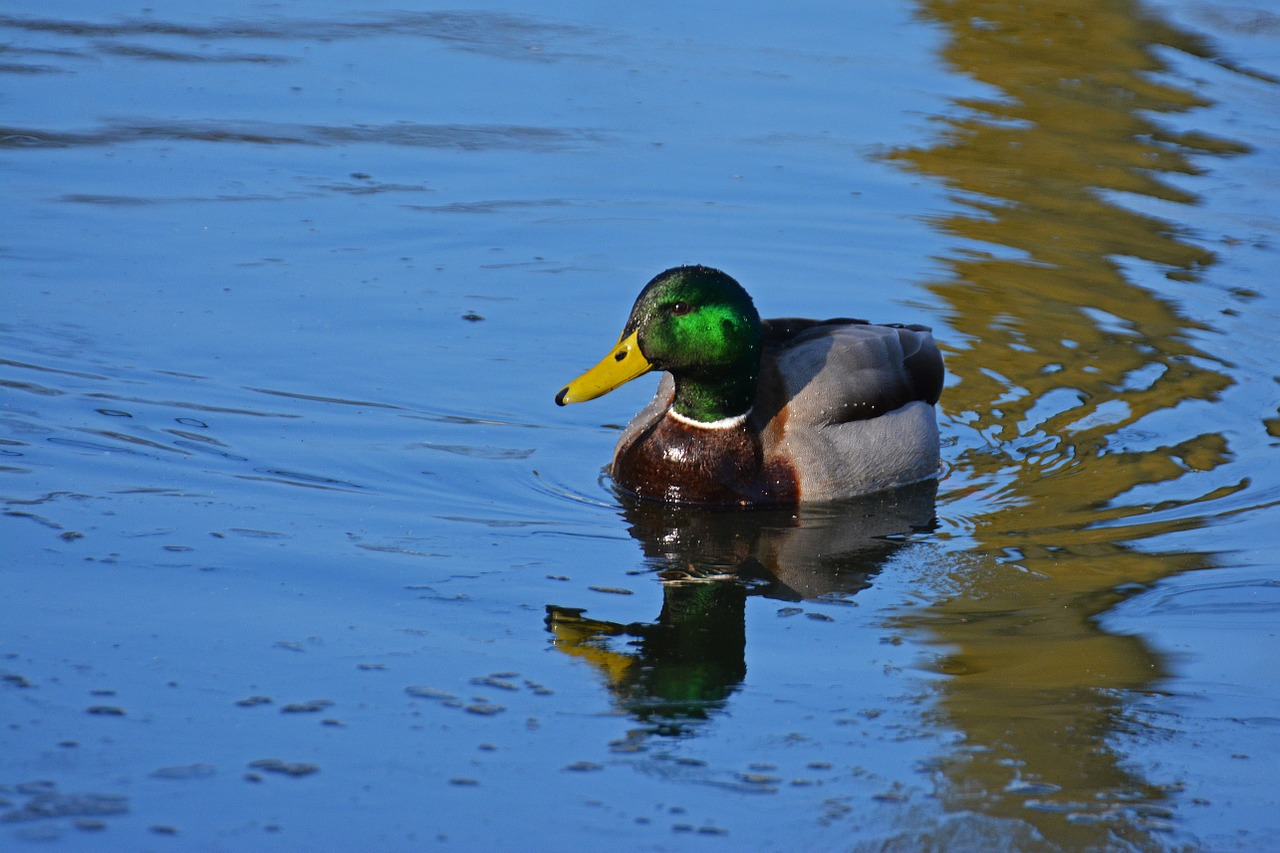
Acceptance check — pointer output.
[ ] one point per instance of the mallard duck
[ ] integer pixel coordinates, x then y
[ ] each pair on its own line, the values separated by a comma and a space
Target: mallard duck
758, 412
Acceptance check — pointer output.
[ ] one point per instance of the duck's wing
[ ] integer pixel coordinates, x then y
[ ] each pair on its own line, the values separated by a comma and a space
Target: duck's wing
850, 406
837, 371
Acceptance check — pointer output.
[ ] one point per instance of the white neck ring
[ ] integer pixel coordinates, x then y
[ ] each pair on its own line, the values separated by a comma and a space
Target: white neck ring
723, 423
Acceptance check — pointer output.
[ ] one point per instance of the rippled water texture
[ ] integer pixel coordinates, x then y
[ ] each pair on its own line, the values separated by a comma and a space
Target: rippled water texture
299, 554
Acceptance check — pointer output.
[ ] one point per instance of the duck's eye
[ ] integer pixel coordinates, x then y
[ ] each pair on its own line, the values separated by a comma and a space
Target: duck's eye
681, 308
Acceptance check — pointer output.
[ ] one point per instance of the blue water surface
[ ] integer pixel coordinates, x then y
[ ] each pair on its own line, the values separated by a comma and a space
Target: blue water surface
298, 552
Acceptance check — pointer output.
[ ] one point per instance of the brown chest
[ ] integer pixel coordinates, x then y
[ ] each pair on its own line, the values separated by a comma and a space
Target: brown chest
676, 462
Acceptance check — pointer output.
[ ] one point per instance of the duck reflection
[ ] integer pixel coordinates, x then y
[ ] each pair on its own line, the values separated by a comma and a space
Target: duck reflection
1072, 351
685, 665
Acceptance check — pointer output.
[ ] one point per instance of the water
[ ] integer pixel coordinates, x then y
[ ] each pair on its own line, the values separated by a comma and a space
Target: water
299, 554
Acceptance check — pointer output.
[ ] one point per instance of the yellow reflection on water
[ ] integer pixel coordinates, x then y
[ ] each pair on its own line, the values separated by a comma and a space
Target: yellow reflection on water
1068, 371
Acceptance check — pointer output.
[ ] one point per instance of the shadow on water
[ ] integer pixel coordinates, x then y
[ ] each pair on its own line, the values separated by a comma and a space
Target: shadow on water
1066, 365
684, 666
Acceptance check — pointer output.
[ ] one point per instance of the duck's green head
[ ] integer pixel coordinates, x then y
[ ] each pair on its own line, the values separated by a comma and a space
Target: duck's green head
699, 325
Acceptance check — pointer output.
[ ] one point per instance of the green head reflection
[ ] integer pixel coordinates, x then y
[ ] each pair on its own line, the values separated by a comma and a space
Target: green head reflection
684, 666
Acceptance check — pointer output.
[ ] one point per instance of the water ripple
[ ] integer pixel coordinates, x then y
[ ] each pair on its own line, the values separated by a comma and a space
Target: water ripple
496, 453
199, 407
137, 51
297, 478
505, 35
467, 137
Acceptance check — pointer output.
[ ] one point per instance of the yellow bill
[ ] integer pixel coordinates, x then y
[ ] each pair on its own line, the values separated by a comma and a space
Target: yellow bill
619, 367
